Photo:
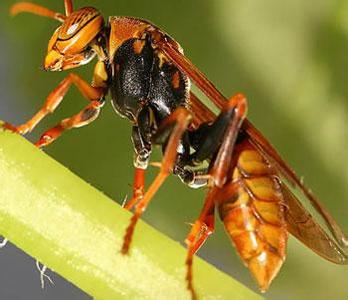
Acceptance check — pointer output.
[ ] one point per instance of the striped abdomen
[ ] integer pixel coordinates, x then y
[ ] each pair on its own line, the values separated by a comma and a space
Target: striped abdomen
251, 207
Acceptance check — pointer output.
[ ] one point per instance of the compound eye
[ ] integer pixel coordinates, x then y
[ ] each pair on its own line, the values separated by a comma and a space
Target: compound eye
78, 30
76, 21
53, 39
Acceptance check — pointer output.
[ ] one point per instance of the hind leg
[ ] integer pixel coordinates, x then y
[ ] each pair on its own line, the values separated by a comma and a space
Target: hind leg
229, 121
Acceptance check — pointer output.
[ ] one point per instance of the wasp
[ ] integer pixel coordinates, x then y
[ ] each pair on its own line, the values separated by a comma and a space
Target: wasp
149, 80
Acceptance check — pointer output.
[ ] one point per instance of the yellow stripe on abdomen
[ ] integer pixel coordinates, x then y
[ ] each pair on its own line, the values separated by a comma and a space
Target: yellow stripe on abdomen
251, 208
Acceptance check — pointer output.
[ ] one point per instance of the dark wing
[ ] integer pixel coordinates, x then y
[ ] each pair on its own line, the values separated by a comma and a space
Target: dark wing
260, 142
201, 81
271, 154
301, 224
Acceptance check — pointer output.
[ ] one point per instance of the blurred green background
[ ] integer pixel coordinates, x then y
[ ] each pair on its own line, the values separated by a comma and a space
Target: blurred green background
289, 57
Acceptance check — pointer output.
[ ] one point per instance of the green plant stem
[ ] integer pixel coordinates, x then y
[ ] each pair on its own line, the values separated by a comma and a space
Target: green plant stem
77, 231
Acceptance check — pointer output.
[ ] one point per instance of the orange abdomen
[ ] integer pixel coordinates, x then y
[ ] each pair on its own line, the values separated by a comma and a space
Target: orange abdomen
251, 207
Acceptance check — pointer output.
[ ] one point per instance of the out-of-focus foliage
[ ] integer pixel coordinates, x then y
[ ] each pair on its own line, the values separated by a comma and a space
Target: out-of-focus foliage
289, 57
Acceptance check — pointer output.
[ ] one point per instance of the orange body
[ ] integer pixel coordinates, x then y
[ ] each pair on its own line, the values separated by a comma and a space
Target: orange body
247, 179
251, 206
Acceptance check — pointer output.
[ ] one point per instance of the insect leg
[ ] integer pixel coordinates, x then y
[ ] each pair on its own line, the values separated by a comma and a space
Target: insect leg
200, 236
178, 120
138, 188
56, 97
218, 172
36, 10
84, 117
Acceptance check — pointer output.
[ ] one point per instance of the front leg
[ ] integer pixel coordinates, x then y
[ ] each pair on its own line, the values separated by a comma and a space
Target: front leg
84, 117
55, 98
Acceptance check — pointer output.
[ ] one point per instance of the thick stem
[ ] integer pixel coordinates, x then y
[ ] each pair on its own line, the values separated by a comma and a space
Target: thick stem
75, 230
